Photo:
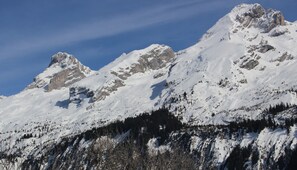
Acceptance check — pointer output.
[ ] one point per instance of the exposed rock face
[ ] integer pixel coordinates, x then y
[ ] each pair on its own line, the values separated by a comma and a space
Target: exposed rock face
65, 78
278, 32
37, 83
257, 11
258, 17
250, 64
285, 56
250, 16
60, 58
77, 94
278, 18
275, 18
155, 59
264, 48
63, 70
105, 91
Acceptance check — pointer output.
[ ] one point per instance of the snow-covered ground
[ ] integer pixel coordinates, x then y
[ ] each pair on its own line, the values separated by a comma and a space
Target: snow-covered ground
230, 73
233, 72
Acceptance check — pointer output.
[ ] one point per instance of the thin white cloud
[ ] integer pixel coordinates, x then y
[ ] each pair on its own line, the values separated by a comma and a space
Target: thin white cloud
109, 27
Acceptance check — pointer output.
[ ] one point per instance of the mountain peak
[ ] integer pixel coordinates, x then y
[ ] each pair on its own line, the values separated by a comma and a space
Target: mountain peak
232, 91
63, 70
62, 59
254, 15
254, 9
153, 57
150, 61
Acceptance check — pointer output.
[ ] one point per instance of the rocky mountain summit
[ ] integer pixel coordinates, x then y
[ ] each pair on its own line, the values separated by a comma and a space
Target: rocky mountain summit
227, 102
63, 70
257, 16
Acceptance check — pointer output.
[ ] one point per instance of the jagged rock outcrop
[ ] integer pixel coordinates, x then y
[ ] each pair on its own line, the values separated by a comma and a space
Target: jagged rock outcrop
105, 91
65, 78
278, 31
250, 64
258, 17
154, 59
285, 56
63, 70
77, 94
264, 48
251, 15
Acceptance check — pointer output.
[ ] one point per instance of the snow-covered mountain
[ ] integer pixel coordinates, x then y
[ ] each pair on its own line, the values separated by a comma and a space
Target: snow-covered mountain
241, 72
241, 66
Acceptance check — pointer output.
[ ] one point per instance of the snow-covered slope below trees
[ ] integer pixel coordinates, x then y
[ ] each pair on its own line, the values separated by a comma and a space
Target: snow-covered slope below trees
244, 65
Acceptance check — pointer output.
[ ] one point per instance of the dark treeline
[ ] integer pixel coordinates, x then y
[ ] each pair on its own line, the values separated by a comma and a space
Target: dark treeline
132, 151
159, 123
278, 108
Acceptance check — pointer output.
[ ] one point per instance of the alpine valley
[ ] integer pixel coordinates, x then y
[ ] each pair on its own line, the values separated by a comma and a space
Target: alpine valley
227, 102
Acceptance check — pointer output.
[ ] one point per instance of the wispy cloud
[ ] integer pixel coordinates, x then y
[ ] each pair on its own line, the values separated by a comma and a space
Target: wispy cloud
20, 50
107, 27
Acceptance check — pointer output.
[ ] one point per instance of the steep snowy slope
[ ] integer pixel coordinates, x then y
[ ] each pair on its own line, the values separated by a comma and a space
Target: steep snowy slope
237, 70
135, 80
128, 86
243, 65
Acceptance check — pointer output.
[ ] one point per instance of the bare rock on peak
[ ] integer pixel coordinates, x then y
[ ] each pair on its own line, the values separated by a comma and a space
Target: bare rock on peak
155, 57
255, 15
255, 11
59, 57
65, 78
63, 70
63, 59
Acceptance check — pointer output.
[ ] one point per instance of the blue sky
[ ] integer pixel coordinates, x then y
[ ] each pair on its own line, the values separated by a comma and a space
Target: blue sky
98, 31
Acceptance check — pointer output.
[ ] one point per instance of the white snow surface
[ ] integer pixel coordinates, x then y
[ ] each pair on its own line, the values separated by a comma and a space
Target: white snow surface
211, 73
154, 148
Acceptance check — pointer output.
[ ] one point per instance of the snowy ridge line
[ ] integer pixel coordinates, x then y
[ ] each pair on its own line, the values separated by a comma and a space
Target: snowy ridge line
242, 66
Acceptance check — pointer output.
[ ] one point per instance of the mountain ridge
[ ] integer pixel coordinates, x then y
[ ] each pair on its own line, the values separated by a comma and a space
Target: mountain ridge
242, 70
